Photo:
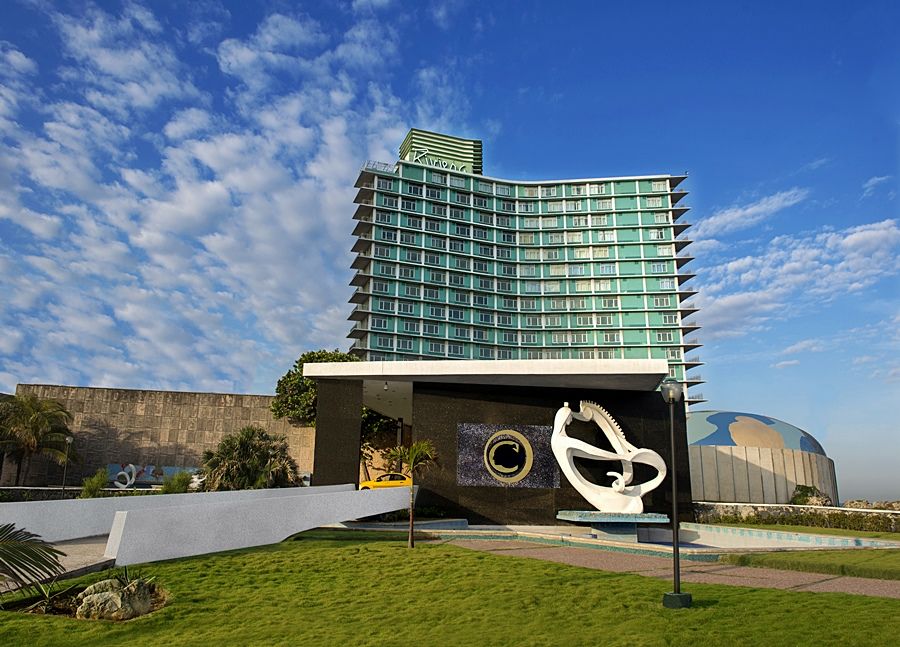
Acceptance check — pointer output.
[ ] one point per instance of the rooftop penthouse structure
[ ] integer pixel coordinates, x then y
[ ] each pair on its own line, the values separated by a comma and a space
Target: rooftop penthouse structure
453, 264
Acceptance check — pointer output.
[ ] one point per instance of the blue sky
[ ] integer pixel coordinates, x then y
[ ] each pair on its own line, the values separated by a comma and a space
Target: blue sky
176, 180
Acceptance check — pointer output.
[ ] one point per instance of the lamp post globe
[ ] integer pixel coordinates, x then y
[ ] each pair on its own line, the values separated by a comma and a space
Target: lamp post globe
672, 392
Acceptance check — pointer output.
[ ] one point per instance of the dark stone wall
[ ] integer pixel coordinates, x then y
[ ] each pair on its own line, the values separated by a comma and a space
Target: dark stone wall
338, 417
643, 416
163, 428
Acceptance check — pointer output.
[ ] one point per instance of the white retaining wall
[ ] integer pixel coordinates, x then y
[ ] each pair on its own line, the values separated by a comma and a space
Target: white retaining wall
154, 534
76, 518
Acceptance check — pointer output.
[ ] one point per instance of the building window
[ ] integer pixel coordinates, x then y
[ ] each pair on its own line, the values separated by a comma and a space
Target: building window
530, 223
551, 287
481, 300
461, 198
432, 294
528, 304
481, 266
432, 225
481, 201
479, 233
479, 335
411, 327
389, 235
384, 184
608, 236
578, 190
461, 263
554, 207
579, 337
411, 291
573, 205
670, 319
529, 191
559, 338
504, 320
658, 268
485, 284
661, 218
557, 304
526, 207
583, 285
673, 353
611, 338
457, 246
412, 255
383, 217
507, 205
379, 323
432, 259
667, 284
409, 205
584, 320
654, 203
600, 221
457, 214
664, 337
404, 344
382, 341
507, 270
486, 318
576, 270
504, 221
405, 307
457, 182
555, 238
438, 178
509, 303
657, 234
609, 302
661, 302
606, 354
439, 210
607, 268
529, 338
504, 252
455, 349
461, 297
597, 189
604, 285
502, 189
436, 312
665, 250
604, 320
389, 201
456, 314
436, 347
460, 332
430, 328
414, 189
382, 252
605, 205
457, 279
461, 230
658, 185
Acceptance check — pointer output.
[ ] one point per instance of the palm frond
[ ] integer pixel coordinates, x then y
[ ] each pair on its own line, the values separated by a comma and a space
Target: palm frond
25, 558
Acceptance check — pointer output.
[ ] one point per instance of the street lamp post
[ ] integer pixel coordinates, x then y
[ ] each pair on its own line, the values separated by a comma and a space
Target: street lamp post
69, 440
671, 392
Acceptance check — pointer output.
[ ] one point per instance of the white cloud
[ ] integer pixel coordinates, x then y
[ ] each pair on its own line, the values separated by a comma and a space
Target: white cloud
873, 183
793, 273
804, 346
13, 62
371, 5
786, 363
743, 217
187, 122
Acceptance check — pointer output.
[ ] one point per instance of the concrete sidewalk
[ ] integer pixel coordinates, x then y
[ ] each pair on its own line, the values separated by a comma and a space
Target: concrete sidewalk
704, 572
84, 555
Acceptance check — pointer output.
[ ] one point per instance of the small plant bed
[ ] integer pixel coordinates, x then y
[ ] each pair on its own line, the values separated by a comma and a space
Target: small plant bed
877, 563
816, 530
118, 598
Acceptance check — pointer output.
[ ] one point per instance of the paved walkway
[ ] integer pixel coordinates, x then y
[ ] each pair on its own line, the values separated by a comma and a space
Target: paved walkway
704, 572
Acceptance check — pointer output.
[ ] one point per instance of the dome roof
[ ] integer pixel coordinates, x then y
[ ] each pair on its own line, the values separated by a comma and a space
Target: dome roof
731, 428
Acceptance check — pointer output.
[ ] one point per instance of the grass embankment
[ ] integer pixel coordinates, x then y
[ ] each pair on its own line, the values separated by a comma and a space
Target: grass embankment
326, 590
815, 530
880, 563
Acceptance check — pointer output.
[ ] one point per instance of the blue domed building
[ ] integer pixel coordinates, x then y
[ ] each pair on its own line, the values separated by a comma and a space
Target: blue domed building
749, 458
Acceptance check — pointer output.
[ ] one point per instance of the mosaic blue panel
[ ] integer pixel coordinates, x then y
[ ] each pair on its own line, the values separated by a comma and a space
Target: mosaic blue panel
473, 439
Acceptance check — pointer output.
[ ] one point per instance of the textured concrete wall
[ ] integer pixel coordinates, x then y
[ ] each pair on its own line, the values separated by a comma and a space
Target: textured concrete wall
162, 428
757, 474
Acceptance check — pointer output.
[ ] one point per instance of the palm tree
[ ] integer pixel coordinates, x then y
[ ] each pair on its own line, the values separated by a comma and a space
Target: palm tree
33, 426
25, 558
416, 458
250, 459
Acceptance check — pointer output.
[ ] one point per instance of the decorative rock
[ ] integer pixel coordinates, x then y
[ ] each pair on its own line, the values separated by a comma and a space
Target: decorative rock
122, 604
100, 587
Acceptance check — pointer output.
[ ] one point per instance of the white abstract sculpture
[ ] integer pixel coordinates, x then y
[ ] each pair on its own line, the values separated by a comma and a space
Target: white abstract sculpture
621, 496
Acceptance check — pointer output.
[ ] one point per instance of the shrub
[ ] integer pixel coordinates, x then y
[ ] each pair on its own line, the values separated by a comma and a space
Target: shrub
809, 495
92, 487
249, 459
177, 483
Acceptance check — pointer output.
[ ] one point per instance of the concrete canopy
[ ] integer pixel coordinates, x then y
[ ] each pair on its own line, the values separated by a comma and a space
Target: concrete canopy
388, 386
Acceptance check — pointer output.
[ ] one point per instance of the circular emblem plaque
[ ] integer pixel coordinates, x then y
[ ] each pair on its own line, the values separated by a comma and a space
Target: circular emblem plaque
508, 456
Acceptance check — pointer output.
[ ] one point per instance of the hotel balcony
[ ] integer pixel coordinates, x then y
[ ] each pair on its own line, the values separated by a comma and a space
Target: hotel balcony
677, 195
692, 362
679, 227
683, 259
691, 344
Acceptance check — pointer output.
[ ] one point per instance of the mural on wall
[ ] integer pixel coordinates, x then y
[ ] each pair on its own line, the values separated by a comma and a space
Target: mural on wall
126, 475
735, 429
516, 456
621, 496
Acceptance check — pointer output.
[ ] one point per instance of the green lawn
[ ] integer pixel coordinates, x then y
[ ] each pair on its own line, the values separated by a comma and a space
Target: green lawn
814, 530
372, 590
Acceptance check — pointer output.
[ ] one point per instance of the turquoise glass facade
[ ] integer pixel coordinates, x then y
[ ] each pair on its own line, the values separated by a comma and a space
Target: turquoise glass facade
456, 265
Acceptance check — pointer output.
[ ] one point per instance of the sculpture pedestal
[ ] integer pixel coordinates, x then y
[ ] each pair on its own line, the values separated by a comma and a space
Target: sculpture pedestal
615, 526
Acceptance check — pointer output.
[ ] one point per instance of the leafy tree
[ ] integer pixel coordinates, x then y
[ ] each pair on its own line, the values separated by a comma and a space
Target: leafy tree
33, 426
248, 460
25, 558
416, 459
92, 487
296, 398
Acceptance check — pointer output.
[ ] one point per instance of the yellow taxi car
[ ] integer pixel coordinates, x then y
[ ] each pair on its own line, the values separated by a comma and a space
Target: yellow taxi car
391, 479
